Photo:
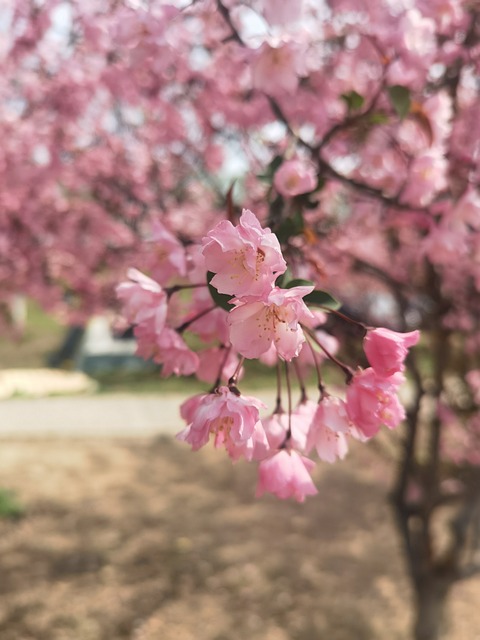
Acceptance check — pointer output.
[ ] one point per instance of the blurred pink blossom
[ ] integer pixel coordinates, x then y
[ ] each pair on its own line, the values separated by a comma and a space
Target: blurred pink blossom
295, 177
275, 69
286, 474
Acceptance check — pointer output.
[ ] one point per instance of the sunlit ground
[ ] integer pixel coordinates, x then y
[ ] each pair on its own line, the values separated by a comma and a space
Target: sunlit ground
145, 540
140, 539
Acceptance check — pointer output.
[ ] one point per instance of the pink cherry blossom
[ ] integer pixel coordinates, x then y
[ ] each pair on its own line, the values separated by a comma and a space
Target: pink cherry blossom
372, 401
295, 177
386, 350
276, 426
231, 418
169, 259
473, 379
175, 355
428, 177
330, 445
189, 407
276, 68
166, 348
215, 362
332, 412
255, 326
418, 33
256, 447
328, 430
467, 210
286, 474
211, 326
143, 300
246, 259
302, 417
281, 12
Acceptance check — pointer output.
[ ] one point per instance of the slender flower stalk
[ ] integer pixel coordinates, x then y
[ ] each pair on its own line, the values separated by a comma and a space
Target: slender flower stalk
348, 371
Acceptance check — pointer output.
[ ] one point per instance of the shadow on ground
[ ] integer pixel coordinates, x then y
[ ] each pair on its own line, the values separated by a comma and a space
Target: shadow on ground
144, 540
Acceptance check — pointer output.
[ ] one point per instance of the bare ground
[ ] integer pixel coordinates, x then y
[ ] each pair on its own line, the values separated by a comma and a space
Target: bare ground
143, 540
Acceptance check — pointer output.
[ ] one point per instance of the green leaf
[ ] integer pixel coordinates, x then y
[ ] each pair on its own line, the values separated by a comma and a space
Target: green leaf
378, 117
229, 202
319, 298
222, 300
400, 99
289, 227
275, 211
353, 100
298, 282
282, 279
274, 164
270, 169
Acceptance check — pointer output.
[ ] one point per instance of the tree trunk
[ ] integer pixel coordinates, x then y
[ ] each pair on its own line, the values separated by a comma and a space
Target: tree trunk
431, 596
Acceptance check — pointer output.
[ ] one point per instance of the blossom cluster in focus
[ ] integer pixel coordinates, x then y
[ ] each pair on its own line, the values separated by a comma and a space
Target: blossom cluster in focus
240, 305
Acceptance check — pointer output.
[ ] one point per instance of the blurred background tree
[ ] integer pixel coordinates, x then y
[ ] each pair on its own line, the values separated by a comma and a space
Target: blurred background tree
118, 116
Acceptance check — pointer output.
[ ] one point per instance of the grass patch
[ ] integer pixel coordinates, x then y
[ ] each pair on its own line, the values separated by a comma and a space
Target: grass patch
10, 507
257, 376
146, 382
42, 336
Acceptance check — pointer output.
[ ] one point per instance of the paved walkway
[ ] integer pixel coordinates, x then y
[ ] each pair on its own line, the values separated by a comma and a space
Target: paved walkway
102, 416
39, 403
87, 416
38, 383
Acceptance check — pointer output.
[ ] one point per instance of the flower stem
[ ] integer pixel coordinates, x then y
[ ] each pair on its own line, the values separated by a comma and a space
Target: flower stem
289, 396
218, 381
180, 287
320, 384
232, 382
301, 382
348, 371
341, 315
199, 315
278, 405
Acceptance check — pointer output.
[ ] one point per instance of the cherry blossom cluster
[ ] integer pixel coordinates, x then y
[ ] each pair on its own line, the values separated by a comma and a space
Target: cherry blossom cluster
233, 289
353, 128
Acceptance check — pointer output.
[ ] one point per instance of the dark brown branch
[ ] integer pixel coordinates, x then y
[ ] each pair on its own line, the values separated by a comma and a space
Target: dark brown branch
225, 13
405, 471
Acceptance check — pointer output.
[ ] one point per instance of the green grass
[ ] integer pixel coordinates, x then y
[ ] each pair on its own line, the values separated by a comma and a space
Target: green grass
147, 382
10, 507
257, 376
42, 335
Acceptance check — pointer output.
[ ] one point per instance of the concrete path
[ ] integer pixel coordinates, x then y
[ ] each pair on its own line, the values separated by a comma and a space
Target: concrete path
90, 416
38, 383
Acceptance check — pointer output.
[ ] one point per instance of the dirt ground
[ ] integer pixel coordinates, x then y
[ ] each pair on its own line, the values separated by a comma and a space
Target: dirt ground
144, 540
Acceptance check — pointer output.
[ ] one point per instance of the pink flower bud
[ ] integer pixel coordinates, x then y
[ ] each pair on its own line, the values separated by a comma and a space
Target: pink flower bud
287, 475
386, 350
